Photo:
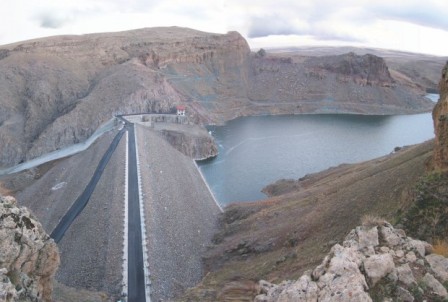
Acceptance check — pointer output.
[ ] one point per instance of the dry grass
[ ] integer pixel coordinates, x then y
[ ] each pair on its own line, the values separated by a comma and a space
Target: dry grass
370, 220
440, 247
4, 191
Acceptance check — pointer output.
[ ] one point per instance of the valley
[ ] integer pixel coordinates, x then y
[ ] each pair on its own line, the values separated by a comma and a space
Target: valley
55, 92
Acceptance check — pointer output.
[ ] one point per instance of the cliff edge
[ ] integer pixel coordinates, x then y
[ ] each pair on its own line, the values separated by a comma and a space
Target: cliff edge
440, 117
28, 258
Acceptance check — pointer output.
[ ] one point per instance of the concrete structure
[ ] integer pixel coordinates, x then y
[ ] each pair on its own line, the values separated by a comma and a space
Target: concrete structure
148, 120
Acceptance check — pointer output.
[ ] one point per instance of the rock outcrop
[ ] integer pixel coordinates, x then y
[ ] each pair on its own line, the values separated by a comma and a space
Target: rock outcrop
196, 145
29, 258
364, 70
376, 262
440, 117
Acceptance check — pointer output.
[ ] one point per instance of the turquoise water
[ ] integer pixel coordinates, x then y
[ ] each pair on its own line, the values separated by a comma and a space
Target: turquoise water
256, 151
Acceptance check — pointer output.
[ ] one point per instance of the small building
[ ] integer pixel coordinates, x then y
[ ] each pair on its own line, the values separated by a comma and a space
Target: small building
180, 110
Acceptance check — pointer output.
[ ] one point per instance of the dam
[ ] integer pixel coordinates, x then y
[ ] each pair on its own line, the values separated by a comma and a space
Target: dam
180, 214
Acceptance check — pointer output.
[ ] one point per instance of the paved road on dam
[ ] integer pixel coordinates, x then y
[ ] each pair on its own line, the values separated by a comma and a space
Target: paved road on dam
164, 197
136, 274
81, 202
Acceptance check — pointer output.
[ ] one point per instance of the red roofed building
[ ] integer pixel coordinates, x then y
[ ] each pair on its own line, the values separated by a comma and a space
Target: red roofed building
180, 110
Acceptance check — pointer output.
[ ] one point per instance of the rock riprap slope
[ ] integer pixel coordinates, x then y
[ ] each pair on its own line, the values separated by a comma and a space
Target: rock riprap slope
56, 91
29, 258
376, 262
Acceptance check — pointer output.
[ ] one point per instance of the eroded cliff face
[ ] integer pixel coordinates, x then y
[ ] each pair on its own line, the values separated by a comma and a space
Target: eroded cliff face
363, 70
29, 258
440, 117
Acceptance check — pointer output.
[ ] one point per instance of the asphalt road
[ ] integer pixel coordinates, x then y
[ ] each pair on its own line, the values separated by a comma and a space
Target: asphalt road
136, 276
81, 202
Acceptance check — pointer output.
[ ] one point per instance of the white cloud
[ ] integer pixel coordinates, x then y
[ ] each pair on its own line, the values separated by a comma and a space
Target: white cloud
410, 25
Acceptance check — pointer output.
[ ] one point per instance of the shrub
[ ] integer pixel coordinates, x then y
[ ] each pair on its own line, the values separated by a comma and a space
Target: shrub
427, 218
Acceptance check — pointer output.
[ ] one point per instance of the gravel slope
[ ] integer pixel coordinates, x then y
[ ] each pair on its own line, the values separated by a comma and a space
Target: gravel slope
52, 195
91, 250
180, 215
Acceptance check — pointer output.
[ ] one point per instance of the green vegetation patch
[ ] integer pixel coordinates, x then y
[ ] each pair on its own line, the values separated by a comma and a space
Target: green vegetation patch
427, 218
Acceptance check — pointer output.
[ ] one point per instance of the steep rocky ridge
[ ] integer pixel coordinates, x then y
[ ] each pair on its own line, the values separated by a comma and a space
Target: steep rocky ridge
440, 117
28, 258
56, 91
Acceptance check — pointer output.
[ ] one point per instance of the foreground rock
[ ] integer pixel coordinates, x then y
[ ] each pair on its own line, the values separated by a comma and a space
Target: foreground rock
376, 262
28, 257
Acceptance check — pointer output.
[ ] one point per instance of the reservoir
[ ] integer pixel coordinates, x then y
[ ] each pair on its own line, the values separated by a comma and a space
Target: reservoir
257, 151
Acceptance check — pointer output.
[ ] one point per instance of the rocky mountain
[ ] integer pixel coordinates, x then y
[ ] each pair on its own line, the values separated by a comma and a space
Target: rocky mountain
56, 91
440, 117
375, 262
28, 258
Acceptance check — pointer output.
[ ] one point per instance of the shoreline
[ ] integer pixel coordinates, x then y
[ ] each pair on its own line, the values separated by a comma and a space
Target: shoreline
208, 187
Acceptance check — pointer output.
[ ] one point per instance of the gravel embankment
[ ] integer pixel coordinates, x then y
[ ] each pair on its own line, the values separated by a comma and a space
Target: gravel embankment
91, 249
180, 215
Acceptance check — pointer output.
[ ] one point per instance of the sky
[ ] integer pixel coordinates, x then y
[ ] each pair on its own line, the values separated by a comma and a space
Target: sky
408, 25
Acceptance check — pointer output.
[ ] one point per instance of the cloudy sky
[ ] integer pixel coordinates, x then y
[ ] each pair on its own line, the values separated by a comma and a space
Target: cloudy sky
411, 25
